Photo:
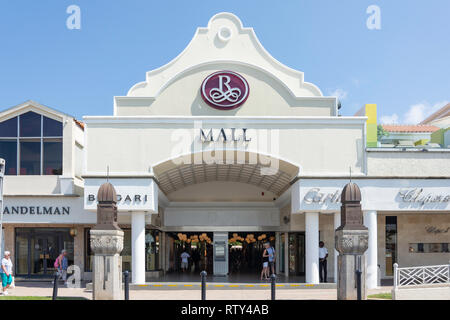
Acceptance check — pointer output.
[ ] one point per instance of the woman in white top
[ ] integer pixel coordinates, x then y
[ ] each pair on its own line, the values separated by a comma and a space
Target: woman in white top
6, 272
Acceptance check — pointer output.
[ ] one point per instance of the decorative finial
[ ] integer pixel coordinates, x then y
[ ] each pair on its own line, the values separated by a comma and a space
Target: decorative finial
350, 174
107, 173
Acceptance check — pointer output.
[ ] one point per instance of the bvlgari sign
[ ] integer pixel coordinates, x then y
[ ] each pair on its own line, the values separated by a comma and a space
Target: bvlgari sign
225, 90
140, 194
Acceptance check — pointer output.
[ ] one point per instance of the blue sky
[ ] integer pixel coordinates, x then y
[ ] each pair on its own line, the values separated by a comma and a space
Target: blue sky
404, 67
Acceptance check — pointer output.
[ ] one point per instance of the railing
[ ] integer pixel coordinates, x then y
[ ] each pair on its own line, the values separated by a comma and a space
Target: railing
413, 276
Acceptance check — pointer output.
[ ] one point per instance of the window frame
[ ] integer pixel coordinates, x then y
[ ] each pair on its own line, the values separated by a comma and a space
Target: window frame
41, 138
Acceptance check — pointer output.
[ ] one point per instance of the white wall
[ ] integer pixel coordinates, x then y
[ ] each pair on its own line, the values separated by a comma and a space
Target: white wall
222, 215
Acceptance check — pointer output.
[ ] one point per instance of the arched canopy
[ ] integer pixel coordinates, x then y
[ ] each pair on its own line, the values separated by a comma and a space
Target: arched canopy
264, 171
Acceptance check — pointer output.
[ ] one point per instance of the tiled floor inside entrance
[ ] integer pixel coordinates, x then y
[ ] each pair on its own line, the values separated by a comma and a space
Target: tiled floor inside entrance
236, 278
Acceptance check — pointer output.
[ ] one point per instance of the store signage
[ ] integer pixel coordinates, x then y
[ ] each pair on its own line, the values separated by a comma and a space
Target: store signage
140, 194
224, 134
416, 195
315, 196
225, 90
36, 210
436, 230
419, 196
324, 195
125, 198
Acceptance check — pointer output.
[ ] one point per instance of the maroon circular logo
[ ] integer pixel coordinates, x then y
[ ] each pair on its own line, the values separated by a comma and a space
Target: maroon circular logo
225, 90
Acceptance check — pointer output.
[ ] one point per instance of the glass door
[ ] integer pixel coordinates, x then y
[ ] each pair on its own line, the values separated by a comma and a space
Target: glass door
38, 248
297, 253
45, 249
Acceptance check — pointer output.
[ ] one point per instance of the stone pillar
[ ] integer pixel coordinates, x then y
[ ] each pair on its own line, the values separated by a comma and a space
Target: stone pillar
138, 247
312, 247
337, 223
370, 221
107, 244
351, 240
107, 270
78, 249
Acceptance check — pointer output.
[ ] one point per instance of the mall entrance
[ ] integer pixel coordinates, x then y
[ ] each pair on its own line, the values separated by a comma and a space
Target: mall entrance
199, 246
245, 256
36, 250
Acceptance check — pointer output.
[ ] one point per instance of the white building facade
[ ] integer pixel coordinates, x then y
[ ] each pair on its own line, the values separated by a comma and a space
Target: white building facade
225, 148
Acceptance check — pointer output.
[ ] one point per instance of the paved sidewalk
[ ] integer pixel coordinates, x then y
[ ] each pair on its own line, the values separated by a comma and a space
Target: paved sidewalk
45, 289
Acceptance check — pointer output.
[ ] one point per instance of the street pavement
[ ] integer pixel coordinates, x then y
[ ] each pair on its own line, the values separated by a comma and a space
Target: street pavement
45, 289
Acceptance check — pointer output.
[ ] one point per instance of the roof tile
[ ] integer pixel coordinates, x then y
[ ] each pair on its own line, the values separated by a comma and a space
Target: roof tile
409, 128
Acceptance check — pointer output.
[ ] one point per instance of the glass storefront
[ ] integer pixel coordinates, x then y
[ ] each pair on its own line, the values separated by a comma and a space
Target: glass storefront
297, 253
152, 247
391, 244
36, 250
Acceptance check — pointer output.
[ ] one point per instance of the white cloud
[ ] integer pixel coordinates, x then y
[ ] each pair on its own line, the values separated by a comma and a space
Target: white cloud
356, 82
392, 119
341, 94
415, 114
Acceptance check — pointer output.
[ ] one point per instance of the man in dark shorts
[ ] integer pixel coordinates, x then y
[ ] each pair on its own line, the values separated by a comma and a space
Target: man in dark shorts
271, 253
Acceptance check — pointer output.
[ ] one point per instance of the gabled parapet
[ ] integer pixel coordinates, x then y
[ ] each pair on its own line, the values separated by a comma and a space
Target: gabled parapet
224, 39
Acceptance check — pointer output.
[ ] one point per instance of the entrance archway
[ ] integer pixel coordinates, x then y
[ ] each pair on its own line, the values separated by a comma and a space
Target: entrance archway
236, 195
265, 171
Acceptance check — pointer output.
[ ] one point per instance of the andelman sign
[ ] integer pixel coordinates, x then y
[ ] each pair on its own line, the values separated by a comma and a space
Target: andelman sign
36, 210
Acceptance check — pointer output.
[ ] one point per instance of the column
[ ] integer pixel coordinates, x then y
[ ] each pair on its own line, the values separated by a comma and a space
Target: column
337, 224
370, 221
312, 247
286, 254
277, 252
138, 247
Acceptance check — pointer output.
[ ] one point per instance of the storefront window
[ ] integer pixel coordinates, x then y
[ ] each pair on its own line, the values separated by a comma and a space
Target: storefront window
126, 252
428, 247
8, 128
52, 128
52, 157
282, 252
30, 157
39, 144
30, 124
391, 244
8, 151
151, 250
152, 247
38, 248
88, 256
297, 253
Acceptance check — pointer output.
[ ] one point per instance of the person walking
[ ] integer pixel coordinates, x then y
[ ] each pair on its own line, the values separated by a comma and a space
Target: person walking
323, 255
271, 253
184, 261
265, 269
61, 265
6, 272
